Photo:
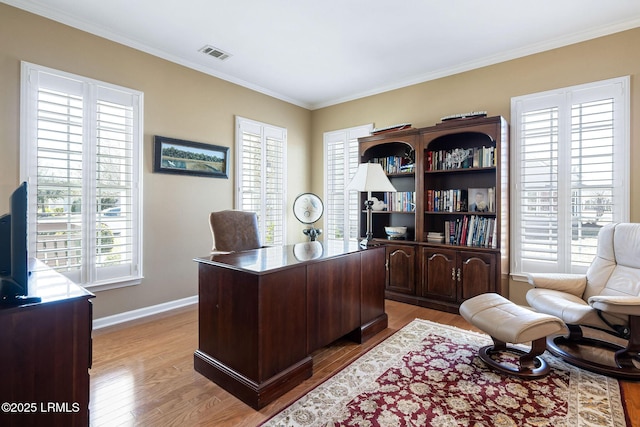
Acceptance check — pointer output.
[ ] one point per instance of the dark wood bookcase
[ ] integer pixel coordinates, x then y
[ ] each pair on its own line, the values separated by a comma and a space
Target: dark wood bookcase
451, 159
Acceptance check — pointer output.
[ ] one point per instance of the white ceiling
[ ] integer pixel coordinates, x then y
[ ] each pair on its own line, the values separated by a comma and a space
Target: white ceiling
322, 52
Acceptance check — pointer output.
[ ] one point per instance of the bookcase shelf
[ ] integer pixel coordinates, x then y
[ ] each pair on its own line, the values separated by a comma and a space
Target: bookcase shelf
457, 171
391, 212
461, 213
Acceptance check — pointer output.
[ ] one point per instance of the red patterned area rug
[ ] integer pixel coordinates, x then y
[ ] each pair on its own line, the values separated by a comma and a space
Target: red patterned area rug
428, 374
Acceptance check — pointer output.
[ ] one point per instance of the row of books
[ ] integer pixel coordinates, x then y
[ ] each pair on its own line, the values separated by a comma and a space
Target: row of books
400, 201
395, 164
457, 200
447, 200
472, 230
461, 158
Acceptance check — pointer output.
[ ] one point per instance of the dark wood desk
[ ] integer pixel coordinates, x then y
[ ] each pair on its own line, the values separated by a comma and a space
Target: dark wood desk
263, 312
45, 354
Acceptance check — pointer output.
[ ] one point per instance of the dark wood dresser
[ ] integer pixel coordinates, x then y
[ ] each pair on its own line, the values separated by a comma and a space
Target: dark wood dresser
45, 355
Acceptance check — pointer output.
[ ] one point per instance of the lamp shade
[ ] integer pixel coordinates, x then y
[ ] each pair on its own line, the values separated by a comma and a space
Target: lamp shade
370, 177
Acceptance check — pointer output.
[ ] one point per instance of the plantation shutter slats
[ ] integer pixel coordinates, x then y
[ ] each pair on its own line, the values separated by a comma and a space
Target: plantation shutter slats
342, 207
592, 178
114, 183
353, 202
335, 205
570, 164
274, 214
538, 185
82, 162
261, 177
59, 158
250, 164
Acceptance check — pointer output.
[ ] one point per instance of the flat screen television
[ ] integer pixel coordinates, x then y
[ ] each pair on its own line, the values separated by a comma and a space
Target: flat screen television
14, 264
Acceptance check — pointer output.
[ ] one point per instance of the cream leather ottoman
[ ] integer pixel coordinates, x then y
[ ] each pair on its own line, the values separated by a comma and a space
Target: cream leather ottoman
508, 322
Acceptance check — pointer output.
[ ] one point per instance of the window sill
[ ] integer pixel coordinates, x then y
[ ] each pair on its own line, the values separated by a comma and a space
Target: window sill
106, 286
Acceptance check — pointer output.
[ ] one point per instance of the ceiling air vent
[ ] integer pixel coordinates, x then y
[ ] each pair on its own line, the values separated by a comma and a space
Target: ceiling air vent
215, 52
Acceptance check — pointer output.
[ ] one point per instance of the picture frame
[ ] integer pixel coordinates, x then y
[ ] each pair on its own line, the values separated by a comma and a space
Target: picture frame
479, 200
177, 156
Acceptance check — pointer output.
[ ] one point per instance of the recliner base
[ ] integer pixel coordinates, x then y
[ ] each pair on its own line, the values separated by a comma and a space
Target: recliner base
568, 349
530, 364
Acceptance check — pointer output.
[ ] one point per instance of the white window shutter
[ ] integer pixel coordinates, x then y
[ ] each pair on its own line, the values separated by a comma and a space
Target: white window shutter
341, 160
81, 143
569, 166
261, 176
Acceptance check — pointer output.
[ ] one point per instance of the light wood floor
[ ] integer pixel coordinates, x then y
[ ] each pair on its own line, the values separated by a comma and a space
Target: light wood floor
143, 373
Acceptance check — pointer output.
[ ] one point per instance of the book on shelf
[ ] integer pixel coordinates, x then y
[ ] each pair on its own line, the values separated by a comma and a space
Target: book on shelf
452, 200
471, 230
491, 194
400, 201
461, 158
395, 164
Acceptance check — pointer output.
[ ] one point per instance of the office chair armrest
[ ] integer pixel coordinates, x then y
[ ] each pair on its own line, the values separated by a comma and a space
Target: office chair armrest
629, 306
570, 283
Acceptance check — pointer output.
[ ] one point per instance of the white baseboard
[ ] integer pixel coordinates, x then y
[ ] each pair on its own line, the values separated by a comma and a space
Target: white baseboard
127, 316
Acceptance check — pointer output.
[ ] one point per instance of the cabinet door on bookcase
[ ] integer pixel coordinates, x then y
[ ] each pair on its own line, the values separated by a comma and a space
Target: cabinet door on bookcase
476, 273
401, 268
439, 278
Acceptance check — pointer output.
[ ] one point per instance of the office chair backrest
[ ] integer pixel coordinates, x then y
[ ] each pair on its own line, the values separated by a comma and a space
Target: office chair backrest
234, 230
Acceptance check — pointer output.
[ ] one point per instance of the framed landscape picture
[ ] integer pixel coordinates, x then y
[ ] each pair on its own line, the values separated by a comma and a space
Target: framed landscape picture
190, 158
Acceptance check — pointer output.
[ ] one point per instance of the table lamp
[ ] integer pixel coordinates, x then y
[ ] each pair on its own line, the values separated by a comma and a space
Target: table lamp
369, 177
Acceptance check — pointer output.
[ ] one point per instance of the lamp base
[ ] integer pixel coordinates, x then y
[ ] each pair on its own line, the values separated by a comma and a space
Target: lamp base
367, 243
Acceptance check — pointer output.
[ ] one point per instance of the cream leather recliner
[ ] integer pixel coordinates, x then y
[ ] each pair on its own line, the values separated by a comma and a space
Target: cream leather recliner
607, 299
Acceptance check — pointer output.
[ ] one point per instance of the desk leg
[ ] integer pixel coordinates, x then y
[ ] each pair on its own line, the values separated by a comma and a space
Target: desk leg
369, 329
253, 394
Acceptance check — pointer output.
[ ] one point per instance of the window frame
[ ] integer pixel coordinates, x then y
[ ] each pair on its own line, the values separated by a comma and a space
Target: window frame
95, 95
265, 131
349, 139
565, 100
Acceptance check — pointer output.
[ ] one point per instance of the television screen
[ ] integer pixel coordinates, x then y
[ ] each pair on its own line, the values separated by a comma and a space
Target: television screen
19, 260
5, 245
13, 251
